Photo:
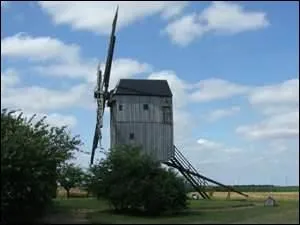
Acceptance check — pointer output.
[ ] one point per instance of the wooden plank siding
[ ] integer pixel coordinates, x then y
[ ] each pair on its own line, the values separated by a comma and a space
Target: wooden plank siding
148, 126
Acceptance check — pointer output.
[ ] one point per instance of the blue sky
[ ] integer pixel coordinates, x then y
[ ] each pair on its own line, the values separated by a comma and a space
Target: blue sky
233, 69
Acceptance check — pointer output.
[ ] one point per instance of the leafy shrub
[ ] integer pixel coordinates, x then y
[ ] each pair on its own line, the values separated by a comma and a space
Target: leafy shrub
70, 176
30, 156
132, 181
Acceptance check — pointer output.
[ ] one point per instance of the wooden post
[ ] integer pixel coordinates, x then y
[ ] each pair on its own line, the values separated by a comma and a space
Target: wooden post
228, 196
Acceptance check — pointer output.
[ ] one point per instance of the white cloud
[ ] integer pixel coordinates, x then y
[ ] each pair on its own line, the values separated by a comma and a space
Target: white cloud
9, 78
182, 120
208, 145
126, 68
215, 89
220, 17
85, 15
215, 160
64, 60
214, 152
25, 46
87, 71
184, 30
53, 119
61, 61
280, 104
285, 92
277, 126
61, 120
70, 70
174, 10
222, 113
230, 17
278, 146
272, 109
38, 99
232, 150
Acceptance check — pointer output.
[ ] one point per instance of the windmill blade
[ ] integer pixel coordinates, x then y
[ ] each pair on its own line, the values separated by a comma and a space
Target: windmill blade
95, 144
98, 133
110, 54
99, 78
100, 94
99, 120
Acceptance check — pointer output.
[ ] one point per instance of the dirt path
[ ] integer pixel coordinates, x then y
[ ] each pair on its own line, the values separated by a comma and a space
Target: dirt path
225, 208
74, 217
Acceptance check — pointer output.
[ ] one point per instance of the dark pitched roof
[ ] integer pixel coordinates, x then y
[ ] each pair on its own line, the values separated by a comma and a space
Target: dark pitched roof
143, 87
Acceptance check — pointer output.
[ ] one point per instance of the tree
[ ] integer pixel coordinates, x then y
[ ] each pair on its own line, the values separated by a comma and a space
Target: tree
30, 156
133, 181
87, 182
70, 176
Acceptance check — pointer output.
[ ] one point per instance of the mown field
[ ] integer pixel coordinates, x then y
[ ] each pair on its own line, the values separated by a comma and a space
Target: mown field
216, 195
257, 195
218, 210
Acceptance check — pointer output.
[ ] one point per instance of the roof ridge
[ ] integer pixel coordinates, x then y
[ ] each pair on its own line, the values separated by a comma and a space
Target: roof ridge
145, 87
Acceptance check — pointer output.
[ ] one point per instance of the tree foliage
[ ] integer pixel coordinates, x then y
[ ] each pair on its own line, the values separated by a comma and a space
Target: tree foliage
30, 156
70, 176
86, 183
132, 181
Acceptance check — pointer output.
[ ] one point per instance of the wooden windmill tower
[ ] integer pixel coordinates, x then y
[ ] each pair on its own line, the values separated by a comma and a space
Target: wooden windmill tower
142, 114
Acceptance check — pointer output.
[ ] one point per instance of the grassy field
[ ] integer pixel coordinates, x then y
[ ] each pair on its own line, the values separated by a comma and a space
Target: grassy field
200, 211
61, 193
257, 195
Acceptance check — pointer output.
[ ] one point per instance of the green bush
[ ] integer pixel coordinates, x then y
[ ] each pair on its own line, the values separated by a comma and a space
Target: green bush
70, 176
30, 156
131, 181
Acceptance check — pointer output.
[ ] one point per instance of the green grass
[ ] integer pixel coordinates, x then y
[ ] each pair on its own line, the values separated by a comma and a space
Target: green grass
200, 211
80, 203
218, 204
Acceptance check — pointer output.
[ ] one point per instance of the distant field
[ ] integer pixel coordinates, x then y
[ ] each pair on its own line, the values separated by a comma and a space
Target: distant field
75, 192
216, 195
258, 195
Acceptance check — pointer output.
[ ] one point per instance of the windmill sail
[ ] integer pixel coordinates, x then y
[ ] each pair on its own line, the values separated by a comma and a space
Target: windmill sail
100, 94
110, 53
95, 144
100, 109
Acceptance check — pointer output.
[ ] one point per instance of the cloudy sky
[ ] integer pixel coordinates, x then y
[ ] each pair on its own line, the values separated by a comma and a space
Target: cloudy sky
233, 68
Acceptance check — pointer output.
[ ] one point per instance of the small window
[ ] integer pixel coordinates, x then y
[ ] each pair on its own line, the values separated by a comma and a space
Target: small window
146, 106
120, 107
167, 114
131, 136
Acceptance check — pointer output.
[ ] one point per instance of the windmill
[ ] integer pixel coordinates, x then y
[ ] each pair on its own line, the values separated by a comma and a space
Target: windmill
101, 93
141, 113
